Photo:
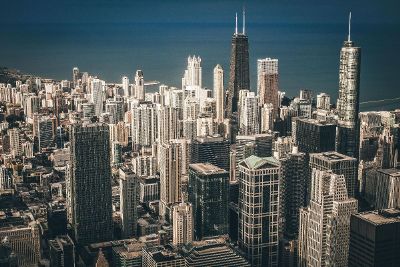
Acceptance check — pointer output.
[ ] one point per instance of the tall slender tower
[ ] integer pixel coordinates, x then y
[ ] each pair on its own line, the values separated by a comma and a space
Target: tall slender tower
347, 137
139, 85
239, 77
219, 92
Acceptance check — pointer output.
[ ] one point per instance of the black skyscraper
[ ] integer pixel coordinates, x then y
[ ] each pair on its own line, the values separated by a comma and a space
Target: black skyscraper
239, 77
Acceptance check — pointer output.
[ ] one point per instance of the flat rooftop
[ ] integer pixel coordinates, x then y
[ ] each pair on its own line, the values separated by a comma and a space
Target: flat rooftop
380, 217
206, 168
331, 156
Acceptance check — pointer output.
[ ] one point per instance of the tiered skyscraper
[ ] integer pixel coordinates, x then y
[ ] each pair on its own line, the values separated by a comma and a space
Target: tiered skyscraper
325, 223
348, 102
239, 77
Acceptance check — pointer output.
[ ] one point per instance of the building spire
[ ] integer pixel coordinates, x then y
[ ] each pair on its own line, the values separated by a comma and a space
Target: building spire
236, 25
244, 20
348, 37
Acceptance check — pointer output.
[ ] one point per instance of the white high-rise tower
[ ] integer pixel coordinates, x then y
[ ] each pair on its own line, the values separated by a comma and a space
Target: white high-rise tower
125, 85
139, 85
193, 73
219, 93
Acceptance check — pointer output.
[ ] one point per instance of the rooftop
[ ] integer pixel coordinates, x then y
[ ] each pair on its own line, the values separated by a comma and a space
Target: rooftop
379, 217
206, 168
254, 162
331, 156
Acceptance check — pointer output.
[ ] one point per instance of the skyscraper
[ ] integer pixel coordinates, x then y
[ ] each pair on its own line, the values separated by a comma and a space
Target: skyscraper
259, 210
128, 186
348, 102
193, 73
268, 82
325, 223
214, 150
375, 238
139, 85
249, 114
125, 86
182, 215
89, 183
219, 93
293, 191
98, 93
239, 77
338, 164
208, 193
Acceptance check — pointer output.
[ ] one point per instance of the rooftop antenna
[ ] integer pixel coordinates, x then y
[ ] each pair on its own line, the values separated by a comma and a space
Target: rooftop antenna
244, 20
348, 37
236, 28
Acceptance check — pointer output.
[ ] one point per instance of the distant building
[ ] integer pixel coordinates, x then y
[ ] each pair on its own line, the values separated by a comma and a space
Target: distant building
268, 83
387, 189
313, 136
182, 216
212, 252
128, 184
375, 238
162, 256
219, 93
62, 251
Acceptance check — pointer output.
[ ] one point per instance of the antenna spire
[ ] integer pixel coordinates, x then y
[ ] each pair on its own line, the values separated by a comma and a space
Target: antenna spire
348, 37
244, 20
236, 28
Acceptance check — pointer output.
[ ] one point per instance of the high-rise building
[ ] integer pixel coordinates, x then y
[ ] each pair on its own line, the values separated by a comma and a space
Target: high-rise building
293, 190
387, 190
89, 183
116, 110
15, 142
214, 150
193, 73
323, 101
98, 93
75, 76
375, 238
259, 210
212, 252
128, 186
22, 235
219, 93
249, 119
62, 251
268, 83
239, 77
325, 223
339, 164
144, 125
313, 136
182, 225
125, 86
209, 195
139, 85
45, 132
172, 162
349, 98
